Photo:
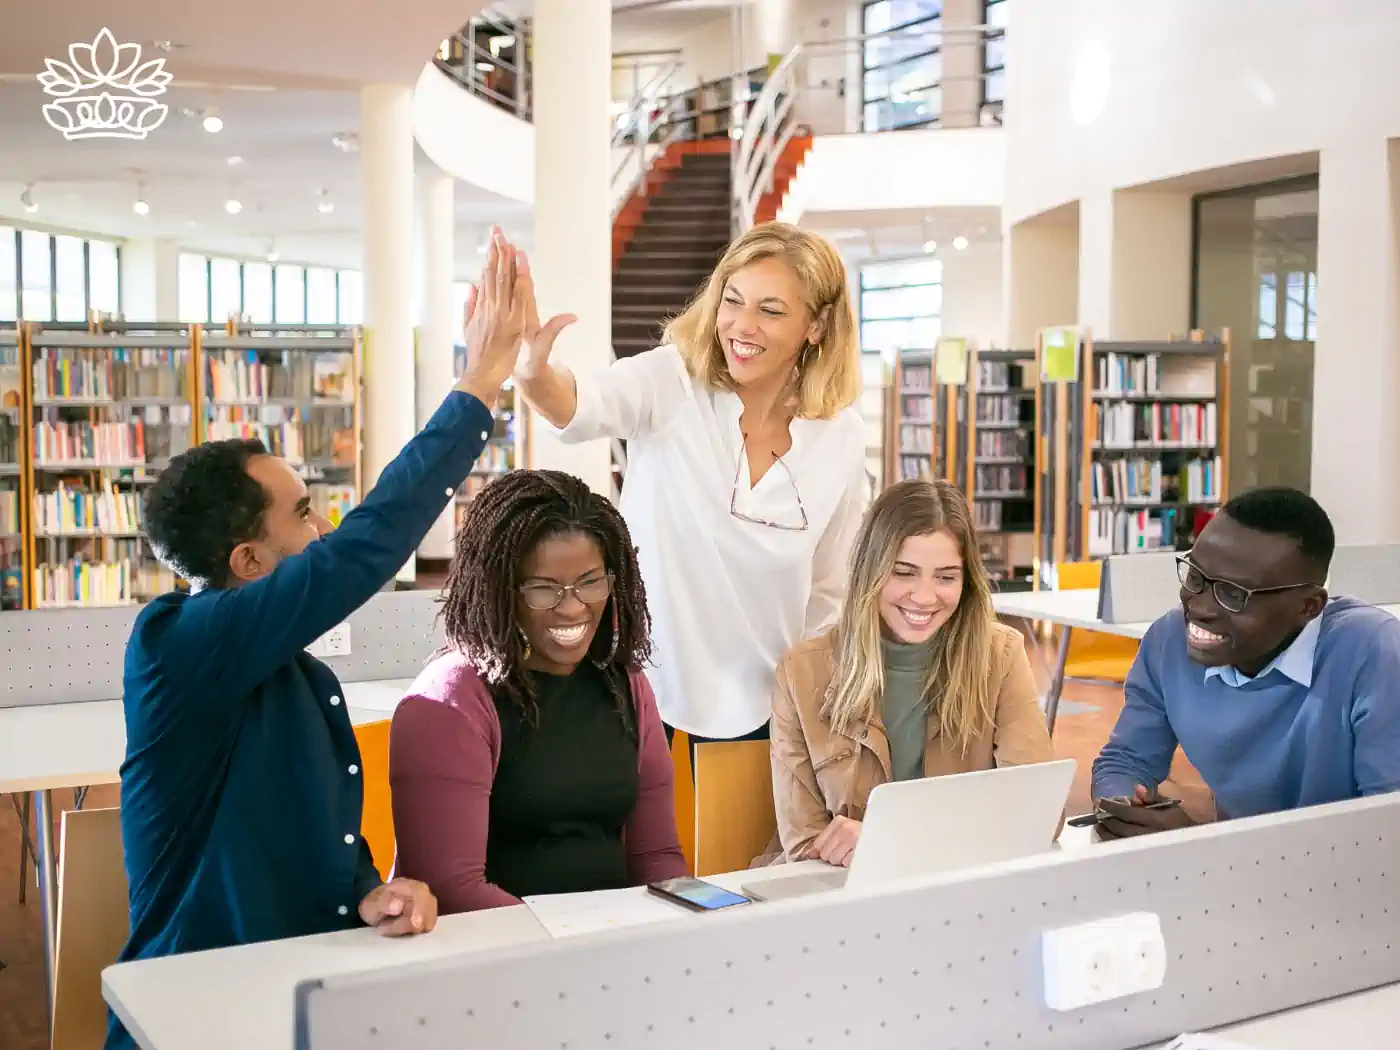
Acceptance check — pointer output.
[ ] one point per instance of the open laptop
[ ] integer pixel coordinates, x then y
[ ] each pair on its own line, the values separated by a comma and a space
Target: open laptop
916, 828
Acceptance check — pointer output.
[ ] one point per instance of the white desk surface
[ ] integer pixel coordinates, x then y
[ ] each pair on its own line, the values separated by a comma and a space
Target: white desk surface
1364, 1021
52, 746
1071, 608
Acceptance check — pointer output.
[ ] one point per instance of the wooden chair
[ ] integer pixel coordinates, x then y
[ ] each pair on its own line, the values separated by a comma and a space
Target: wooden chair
377, 819
684, 795
734, 817
93, 924
1092, 655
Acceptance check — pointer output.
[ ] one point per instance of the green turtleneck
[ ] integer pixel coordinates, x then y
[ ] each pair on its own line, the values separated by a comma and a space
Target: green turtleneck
903, 709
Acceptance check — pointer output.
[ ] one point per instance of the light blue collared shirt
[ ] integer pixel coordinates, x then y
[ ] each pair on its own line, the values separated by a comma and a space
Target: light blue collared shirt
1295, 662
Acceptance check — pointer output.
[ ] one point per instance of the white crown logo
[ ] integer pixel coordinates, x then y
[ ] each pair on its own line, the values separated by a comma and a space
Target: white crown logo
105, 94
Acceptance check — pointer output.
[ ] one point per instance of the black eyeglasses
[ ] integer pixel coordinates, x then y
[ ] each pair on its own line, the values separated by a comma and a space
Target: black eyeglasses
1231, 597
545, 596
734, 495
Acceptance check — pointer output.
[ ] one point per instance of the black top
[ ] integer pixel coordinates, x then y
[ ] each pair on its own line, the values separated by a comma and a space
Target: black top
564, 789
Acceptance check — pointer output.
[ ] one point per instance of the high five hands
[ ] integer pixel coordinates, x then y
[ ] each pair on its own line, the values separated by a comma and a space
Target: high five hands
498, 308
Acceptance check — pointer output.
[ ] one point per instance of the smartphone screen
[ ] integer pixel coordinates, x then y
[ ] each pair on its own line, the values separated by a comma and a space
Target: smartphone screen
705, 896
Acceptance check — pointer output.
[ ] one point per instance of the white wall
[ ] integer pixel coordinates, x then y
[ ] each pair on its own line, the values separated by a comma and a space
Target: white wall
908, 169
972, 295
1105, 94
473, 140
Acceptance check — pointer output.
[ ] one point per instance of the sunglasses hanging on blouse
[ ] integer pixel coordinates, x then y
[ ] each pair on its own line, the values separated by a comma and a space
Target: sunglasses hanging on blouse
734, 495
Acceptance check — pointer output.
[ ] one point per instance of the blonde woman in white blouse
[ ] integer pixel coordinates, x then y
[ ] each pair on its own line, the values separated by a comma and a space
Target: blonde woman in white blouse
746, 474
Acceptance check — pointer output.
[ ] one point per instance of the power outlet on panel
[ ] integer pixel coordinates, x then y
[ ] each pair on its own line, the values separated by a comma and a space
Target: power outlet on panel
1103, 960
335, 642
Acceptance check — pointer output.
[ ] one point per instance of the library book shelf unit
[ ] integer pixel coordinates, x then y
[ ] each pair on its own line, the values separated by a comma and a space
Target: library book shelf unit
94, 412
1136, 448
920, 441
505, 451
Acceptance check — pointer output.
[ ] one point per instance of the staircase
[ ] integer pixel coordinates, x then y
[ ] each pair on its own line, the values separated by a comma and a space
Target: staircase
667, 240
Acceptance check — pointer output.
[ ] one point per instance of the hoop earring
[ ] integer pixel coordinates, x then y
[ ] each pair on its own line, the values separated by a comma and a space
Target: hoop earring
612, 649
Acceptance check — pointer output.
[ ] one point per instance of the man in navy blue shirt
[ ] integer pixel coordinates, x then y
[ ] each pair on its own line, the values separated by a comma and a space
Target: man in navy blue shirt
1280, 696
241, 791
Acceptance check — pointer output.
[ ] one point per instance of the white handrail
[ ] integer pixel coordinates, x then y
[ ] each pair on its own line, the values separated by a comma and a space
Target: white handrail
766, 132
632, 169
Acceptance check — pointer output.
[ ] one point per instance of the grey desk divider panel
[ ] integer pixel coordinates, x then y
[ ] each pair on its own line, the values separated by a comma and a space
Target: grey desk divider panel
1138, 588
1367, 573
1258, 916
60, 656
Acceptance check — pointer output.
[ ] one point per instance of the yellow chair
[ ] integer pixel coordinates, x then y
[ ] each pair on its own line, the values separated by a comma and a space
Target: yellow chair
1093, 655
734, 817
93, 924
377, 820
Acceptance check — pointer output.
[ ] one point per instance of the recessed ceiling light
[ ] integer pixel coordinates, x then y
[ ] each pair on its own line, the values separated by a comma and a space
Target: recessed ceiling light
959, 243
233, 206
930, 247
213, 123
234, 161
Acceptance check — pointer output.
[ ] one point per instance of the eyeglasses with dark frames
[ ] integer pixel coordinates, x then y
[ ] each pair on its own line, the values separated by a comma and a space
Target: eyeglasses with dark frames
734, 495
1232, 597
543, 597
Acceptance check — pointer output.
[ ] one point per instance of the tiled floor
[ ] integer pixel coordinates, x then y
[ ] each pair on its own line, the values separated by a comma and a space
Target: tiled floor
1087, 717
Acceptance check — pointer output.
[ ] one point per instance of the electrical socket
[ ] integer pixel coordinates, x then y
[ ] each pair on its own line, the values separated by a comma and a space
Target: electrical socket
335, 642
1102, 960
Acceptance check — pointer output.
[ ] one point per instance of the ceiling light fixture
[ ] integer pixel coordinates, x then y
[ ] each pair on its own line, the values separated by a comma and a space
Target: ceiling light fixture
233, 206
140, 206
27, 199
930, 247
234, 161
346, 142
324, 204
959, 243
213, 123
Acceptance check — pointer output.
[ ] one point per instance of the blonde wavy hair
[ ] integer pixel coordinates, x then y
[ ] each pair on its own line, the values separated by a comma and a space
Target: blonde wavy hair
958, 688
828, 373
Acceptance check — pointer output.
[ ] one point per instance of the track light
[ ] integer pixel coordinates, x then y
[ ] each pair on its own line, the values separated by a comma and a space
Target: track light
233, 206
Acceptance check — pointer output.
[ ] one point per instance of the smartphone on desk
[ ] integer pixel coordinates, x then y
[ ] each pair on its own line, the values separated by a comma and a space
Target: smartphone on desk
697, 894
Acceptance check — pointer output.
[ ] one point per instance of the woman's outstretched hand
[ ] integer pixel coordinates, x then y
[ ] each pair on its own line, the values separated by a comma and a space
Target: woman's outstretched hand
539, 339
498, 309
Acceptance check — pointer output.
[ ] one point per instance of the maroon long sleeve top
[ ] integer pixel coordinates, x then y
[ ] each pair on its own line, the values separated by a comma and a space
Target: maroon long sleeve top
444, 749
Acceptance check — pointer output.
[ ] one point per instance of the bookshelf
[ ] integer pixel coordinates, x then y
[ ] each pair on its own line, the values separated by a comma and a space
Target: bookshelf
1000, 461
1137, 447
13, 473
504, 452
925, 422
297, 390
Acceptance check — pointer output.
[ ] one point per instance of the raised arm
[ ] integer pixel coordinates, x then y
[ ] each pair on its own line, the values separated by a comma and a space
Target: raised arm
240, 635
634, 396
442, 762
653, 845
797, 798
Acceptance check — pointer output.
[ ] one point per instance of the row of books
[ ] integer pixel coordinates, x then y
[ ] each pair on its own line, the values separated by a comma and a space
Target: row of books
1128, 425
9, 512
110, 375
257, 375
915, 468
916, 379
1135, 374
495, 458
999, 480
999, 375
998, 409
295, 434
1131, 531
1001, 444
9, 440
75, 511
914, 439
916, 409
57, 442
332, 502
85, 583
1137, 480
987, 515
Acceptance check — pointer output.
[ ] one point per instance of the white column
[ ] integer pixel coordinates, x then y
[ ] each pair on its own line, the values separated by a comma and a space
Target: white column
150, 272
437, 327
1135, 264
972, 294
386, 152
1041, 276
1356, 379
572, 257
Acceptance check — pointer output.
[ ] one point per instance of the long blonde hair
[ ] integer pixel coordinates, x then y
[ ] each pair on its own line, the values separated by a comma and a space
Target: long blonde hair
828, 374
958, 686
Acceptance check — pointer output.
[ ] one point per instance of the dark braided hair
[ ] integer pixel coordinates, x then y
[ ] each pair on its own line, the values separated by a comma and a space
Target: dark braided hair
502, 525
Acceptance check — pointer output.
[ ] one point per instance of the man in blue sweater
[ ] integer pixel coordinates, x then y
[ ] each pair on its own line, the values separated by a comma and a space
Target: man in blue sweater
241, 791
1280, 696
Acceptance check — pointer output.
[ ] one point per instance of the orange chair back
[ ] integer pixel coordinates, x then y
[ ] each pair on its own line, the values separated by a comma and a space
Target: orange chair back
1106, 657
377, 821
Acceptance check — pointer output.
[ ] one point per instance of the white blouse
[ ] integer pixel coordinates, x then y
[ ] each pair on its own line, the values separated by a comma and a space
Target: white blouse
727, 597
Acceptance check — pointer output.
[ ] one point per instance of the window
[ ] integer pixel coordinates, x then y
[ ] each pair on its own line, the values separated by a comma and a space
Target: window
104, 277
9, 275
257, 292
321, 301
290, 282
901, 305
36, 276
225, 290
902, 64
70, 284
193, 288
994, 14
351, 296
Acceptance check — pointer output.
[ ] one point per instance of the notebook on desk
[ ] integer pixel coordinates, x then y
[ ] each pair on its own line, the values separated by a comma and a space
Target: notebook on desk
917, 828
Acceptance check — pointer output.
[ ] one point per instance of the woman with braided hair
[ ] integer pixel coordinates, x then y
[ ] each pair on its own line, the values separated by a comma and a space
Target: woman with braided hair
529, 757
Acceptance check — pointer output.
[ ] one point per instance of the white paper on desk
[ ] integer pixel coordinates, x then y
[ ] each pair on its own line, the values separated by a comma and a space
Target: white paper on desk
1203, 1042
574, 914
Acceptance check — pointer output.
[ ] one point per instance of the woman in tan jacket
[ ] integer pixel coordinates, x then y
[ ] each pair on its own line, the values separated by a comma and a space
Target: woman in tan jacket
917, 678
